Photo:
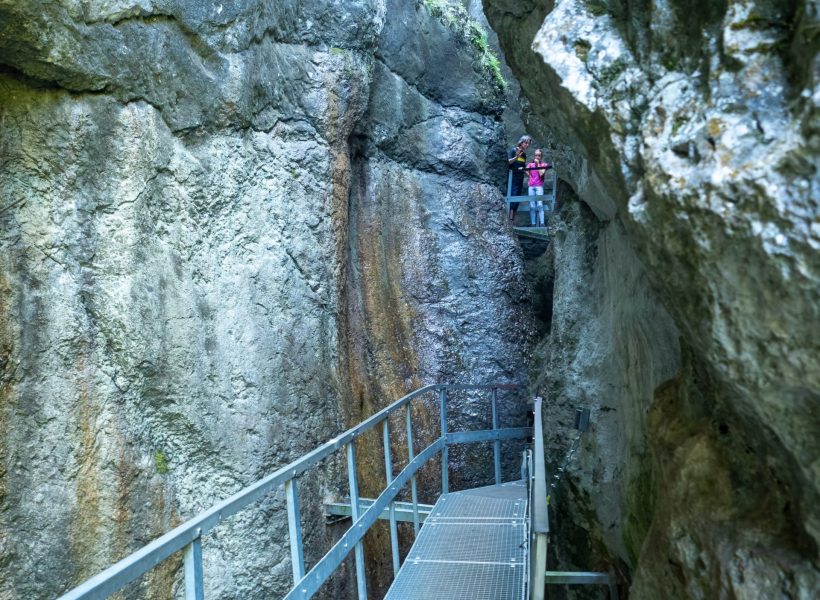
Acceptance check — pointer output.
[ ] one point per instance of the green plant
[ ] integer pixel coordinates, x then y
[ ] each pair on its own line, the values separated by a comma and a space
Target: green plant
443, 10
161, 463
489, 60
669, 61
453, 16
597, 7
582, 48
493, 65
677, 124
610, 73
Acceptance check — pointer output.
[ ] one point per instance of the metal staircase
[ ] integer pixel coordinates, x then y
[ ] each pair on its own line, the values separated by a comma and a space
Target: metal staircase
484, 543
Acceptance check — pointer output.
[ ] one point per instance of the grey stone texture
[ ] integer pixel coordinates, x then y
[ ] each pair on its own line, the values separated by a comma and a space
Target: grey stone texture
691, 132
227, 232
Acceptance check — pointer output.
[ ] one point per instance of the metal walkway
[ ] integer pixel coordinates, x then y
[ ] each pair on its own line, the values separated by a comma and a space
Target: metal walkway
538, 233
473, 546
487, 543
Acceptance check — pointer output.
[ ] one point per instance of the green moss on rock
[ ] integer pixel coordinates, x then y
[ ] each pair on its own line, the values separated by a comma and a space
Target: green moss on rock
598, 8
161, 463
640, 509
455, 17
582, 48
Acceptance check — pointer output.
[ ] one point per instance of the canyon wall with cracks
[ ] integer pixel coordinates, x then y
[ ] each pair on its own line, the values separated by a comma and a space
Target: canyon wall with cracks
227, 232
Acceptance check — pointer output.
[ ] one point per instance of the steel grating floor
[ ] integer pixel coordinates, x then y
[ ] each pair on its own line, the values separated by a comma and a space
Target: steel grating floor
473, 546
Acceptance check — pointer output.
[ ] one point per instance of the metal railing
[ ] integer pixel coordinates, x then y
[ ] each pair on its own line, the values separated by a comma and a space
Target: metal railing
188, 536
539, 517
548, 198
539, 523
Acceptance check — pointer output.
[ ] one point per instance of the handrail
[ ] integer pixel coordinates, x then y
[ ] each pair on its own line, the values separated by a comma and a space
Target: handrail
188, 536
541, 522
540, 511
311, 582
549, 198
511, 171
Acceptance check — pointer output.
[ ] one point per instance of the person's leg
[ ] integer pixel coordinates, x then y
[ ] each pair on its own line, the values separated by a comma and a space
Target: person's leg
540, 192
532, 192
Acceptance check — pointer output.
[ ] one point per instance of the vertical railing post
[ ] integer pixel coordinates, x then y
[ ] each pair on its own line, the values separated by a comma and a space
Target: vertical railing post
613, 585
540, 520
361, 583
497, 442
410, 456
445, 461
295, 531
194, 585
388, 468
509, 193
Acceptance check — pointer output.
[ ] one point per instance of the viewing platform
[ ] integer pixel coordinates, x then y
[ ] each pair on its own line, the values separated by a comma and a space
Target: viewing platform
522, 225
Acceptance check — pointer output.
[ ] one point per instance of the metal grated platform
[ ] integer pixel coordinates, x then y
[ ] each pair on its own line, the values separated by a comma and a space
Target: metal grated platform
473, 546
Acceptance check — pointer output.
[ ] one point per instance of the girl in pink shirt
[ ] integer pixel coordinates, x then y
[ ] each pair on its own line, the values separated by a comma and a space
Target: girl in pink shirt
537, 170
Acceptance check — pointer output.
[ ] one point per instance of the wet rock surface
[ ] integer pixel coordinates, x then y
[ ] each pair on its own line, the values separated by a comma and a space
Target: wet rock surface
228, 232
691, 133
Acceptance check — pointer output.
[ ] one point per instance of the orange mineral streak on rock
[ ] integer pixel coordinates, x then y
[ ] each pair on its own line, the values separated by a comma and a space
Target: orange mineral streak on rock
6, 388
88, 526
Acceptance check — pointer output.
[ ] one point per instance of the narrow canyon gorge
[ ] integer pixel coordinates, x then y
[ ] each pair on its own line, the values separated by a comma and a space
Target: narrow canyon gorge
229, 231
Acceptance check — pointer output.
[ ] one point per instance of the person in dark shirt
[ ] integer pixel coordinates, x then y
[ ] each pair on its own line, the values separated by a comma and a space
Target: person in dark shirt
516, 162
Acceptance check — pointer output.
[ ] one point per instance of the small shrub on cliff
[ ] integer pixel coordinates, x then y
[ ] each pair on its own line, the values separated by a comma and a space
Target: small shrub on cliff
598, 8
161, 463
455, 17
612, 72
582, 48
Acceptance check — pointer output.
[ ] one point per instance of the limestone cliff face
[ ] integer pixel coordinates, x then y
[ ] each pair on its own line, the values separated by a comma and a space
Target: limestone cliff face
691, 131
227, 231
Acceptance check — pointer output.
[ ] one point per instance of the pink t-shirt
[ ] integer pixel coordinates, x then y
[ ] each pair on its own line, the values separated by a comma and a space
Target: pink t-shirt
536, 179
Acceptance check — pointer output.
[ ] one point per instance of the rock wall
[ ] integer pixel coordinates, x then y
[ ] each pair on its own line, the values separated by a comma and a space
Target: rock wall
690, 131
434, 288
229, 230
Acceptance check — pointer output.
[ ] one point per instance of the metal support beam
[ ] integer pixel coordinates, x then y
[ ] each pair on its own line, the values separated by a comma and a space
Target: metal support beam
496, 443
388, 468
584, 578
467, 437
194, 585
361, 583
445, 461
577, 578
536, 233
403, 510
414, 496
295, 531
613, 586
